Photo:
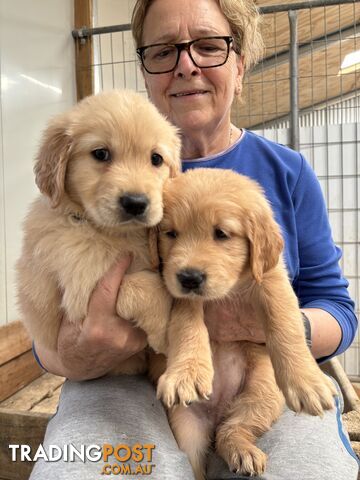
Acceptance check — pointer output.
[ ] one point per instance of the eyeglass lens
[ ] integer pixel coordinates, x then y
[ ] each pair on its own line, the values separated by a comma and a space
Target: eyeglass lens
205, 52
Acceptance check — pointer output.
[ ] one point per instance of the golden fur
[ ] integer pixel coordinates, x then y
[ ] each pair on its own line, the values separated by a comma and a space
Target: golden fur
219, 224
78, 227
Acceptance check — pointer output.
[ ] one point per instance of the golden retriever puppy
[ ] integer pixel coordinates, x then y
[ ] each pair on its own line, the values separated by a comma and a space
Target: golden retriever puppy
218, 239
101, 169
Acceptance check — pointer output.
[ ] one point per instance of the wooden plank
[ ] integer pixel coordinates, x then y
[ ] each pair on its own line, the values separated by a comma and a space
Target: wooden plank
313, 23
83, 50
17, 373
14, 340
23, 420
49, 404
41, 395
17, 429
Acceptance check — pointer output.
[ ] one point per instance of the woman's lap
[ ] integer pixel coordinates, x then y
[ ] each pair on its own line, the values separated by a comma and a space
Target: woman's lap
113, 410
124, 410
302, 447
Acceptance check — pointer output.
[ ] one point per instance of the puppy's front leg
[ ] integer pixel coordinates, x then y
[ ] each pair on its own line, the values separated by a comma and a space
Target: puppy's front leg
298, 375
189, 373
144, 300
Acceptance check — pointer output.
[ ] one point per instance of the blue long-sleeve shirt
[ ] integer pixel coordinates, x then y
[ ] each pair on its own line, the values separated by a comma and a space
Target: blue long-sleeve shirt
294, 192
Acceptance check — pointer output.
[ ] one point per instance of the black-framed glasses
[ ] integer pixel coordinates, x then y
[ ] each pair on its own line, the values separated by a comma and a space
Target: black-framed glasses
206, 52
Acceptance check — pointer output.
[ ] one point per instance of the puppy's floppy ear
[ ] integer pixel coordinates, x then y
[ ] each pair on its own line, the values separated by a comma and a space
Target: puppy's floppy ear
266, 242
52, 159
175, 163
153, 247
175, 170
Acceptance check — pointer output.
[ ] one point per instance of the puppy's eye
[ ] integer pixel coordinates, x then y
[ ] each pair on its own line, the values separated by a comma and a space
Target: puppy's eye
220, 234
157, 160
101, 155
171, 233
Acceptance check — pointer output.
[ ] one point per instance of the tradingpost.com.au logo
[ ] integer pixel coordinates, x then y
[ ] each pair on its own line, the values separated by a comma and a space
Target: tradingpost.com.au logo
121, 459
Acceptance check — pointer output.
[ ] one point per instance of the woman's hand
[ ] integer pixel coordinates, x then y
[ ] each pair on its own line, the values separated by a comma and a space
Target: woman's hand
228, 322
104, 339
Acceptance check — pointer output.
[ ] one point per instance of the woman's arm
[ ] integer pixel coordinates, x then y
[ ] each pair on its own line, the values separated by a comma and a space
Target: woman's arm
319, 285
225, 324
326, 333
103, 341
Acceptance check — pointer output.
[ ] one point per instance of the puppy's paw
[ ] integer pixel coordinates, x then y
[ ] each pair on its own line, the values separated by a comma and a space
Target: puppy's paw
186, 384
311, 392
125, 307
246, 459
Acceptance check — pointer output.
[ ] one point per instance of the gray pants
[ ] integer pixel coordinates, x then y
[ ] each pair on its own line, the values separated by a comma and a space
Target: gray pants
124, 411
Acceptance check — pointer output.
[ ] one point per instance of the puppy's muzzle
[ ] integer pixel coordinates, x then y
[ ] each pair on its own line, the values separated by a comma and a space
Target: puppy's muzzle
191, 280
134, 205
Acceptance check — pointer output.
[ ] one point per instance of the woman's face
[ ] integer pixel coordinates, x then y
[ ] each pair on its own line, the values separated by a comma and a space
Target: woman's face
192, 98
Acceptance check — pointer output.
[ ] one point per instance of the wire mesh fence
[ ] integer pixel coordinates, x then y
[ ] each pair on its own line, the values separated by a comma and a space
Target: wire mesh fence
328, 78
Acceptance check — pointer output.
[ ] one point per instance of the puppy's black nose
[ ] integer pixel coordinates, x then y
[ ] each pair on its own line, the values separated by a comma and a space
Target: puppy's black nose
134, 204
191, 279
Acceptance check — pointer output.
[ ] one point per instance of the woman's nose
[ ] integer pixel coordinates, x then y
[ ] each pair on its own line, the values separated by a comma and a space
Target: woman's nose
185, 66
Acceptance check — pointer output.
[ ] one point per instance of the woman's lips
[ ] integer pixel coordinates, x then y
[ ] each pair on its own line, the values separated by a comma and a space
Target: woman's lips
188, 93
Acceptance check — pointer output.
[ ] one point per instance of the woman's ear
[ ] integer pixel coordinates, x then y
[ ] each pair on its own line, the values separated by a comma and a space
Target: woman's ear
52, 159
239, 75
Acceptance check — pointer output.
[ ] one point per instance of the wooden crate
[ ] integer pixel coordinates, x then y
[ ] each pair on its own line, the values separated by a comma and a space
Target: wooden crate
17, 364
23, 420
28, 398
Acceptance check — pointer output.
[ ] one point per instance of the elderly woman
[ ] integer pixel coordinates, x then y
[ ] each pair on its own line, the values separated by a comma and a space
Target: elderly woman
194, 55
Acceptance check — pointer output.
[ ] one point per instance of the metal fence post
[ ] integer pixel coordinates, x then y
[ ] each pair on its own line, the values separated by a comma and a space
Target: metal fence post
294, 83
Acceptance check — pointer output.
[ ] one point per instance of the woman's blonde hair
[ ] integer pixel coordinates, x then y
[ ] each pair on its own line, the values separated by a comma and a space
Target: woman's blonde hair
243, 18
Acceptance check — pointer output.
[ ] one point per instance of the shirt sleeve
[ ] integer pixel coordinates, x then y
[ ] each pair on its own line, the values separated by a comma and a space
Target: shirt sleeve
37, 357
320, 283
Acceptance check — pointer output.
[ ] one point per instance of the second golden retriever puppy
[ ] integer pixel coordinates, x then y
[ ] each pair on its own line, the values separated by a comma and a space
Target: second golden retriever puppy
218, 239
101, 169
